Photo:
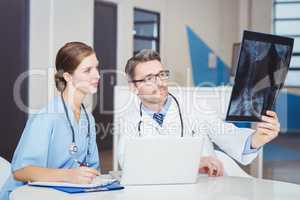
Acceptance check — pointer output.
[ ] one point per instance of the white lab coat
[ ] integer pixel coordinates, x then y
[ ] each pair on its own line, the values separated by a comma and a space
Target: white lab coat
198, 120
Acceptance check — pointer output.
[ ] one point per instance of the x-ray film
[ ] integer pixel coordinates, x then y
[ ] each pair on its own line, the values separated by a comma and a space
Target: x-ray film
263, 64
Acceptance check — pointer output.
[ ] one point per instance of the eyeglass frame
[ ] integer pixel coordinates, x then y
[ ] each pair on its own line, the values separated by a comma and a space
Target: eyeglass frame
155, 76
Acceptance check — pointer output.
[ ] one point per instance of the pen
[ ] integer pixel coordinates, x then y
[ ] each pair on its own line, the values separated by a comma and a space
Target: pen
110, 183
82, 164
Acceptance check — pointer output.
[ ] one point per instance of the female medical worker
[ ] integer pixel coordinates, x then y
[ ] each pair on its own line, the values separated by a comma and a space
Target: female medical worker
59, 142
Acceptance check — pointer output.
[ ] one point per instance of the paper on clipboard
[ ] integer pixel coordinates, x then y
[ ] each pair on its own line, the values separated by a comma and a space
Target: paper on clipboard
98, 181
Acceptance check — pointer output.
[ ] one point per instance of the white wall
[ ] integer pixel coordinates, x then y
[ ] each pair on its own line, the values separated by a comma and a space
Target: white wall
39, 59
218, 22
215, 21
52, 24
255, 15
261, 15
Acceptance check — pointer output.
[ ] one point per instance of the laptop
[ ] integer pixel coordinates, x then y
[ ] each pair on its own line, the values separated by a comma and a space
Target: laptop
161, 160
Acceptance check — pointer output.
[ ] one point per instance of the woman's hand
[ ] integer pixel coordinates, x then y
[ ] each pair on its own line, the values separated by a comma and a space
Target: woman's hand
81, 175
211, 166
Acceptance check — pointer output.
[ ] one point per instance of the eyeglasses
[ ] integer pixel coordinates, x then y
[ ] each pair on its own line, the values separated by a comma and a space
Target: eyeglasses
152, 78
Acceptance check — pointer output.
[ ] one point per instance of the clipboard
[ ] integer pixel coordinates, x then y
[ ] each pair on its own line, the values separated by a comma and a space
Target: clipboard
77, 188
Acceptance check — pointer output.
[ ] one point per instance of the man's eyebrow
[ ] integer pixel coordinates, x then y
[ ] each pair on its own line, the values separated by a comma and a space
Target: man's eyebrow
154, 74
149, 75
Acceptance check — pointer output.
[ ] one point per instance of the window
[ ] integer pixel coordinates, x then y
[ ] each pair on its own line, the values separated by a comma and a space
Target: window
146, 30
286, 22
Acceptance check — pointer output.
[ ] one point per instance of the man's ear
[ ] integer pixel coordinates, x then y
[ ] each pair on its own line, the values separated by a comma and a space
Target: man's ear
67, 76
133, 88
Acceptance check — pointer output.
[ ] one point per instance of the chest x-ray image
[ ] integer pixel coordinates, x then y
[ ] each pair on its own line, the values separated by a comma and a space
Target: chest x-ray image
262, 68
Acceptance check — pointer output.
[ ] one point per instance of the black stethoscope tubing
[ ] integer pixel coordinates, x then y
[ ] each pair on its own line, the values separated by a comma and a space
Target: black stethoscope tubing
73, 148
179, 112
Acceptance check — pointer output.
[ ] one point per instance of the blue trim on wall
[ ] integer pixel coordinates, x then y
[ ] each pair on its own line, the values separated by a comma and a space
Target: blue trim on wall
273, 152
288, 110
202, 75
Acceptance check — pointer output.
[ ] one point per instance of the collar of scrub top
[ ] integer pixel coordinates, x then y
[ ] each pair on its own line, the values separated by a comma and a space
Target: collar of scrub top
163, 111
73, 147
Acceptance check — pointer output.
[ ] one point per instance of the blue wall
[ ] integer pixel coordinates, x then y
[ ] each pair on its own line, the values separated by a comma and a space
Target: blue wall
202, 75
199, 52
288, 109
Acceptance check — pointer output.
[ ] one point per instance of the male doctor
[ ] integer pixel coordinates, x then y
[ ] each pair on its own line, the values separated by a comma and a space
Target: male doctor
162, 114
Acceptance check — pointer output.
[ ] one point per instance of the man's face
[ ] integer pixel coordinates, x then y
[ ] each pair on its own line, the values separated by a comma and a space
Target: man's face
152, 92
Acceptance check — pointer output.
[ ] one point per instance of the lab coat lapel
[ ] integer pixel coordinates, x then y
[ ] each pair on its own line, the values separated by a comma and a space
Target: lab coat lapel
149, 126
171, 122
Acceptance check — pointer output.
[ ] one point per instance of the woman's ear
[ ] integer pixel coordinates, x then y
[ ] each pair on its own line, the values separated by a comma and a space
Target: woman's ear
67, 76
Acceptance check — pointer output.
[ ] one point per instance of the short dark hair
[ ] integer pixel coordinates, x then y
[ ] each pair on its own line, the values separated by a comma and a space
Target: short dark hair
144, 55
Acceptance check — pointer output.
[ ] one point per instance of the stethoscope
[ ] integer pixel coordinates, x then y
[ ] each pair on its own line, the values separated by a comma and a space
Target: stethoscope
73, 148
179, 112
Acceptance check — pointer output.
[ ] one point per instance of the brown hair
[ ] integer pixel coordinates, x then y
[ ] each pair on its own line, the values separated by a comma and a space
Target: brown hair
67, 60
144, 55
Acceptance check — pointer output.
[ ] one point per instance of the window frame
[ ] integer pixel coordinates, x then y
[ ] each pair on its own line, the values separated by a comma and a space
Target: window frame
286, 19
276, 19
147, 38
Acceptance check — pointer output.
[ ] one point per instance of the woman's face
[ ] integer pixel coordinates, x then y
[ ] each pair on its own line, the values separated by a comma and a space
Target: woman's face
86, 76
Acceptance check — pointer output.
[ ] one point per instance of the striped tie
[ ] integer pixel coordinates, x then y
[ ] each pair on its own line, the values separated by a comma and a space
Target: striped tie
159, 118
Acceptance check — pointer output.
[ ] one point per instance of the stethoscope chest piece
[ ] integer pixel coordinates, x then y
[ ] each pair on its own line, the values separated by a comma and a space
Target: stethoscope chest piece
73, 148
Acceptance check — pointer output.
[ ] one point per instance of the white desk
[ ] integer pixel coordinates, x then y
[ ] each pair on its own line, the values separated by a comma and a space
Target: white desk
225, 188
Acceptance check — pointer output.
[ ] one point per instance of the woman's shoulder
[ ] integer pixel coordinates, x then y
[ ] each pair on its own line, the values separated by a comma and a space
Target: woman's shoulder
51, 111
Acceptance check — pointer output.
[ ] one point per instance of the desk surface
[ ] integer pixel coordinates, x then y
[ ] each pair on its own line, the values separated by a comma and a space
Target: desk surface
226, 188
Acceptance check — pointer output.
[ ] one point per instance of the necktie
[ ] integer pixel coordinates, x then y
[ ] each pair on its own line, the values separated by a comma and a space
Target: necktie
159, 118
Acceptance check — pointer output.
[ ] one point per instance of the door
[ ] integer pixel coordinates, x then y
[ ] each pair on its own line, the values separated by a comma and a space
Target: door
14, 39
105, 44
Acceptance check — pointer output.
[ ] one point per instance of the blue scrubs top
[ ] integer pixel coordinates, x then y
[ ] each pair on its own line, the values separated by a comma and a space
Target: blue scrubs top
46, 139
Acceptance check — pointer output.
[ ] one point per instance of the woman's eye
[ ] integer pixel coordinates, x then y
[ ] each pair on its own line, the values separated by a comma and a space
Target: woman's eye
87, 70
